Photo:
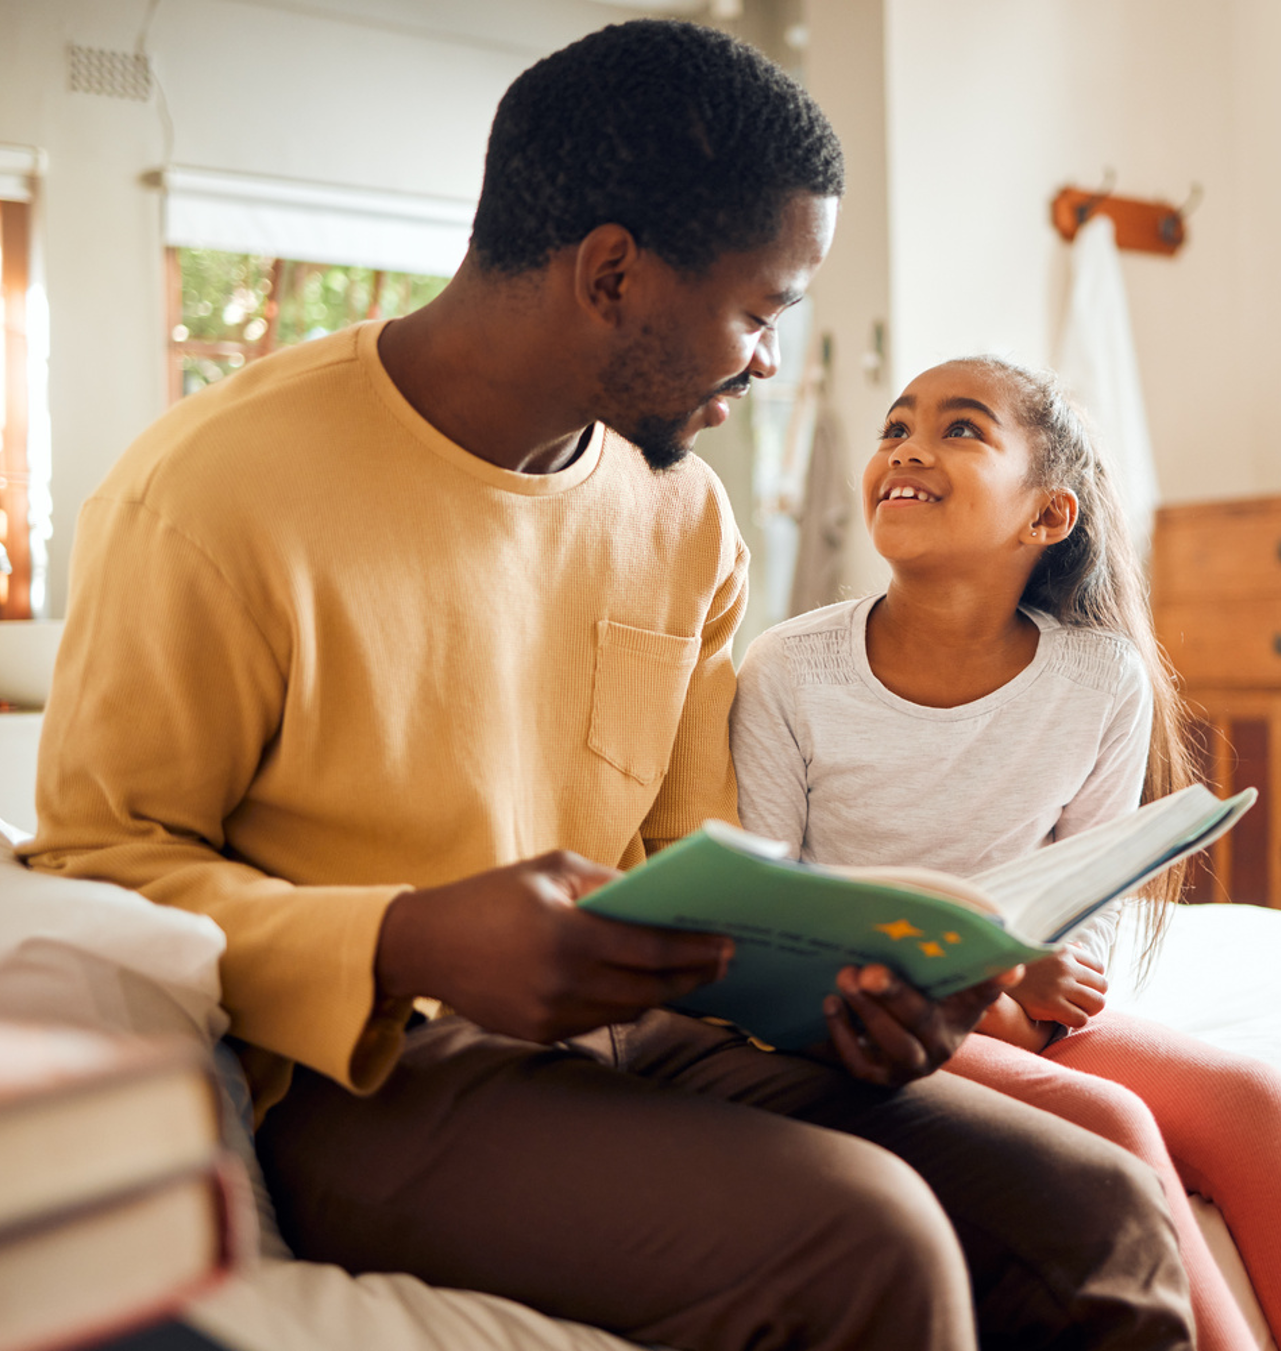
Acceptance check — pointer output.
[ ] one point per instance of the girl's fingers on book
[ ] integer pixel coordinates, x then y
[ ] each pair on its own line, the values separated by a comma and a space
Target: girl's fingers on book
1085, 958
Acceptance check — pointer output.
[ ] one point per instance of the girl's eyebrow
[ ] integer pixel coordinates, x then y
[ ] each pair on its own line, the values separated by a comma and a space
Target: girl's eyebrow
952, 405
949, 405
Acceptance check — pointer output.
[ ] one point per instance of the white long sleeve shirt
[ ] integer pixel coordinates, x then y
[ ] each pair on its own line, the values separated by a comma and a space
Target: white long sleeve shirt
846, 772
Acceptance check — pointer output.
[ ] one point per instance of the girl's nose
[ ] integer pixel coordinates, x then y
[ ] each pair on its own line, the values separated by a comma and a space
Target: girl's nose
907, 451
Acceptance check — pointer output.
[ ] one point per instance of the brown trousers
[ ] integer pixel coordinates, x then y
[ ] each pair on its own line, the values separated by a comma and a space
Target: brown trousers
672, 1183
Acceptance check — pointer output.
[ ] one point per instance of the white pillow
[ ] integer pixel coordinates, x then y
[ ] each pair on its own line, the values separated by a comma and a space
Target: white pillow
100, 956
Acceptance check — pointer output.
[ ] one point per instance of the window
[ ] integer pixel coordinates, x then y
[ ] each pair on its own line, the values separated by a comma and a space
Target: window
15, 543
237, 290
25, 510
227, 309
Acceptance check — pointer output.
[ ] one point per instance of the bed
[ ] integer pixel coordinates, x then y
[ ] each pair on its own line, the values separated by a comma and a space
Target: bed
95, 954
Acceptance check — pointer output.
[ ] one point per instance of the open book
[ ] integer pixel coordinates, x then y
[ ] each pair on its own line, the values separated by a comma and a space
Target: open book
796, 924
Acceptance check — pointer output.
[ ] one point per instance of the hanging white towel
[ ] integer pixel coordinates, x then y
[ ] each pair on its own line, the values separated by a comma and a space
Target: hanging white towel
1097, 362
827, 514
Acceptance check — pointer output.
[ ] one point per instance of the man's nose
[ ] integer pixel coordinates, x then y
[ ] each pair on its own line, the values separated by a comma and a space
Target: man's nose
764, 363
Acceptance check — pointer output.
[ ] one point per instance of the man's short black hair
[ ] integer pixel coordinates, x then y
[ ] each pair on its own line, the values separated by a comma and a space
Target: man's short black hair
690, 138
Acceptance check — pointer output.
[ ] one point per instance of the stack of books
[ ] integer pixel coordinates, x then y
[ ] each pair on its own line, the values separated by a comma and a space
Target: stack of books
118, 1202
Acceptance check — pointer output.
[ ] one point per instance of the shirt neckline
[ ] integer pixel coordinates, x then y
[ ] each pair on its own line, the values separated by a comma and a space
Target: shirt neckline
977, 708
506, 480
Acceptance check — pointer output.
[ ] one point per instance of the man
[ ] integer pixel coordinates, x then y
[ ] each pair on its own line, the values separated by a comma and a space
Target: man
387, 650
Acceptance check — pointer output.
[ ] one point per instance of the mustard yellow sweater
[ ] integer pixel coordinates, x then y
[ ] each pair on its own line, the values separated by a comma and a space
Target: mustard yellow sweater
316, 653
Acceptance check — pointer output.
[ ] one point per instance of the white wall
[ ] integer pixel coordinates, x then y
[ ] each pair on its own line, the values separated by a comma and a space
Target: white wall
1247, 422
960, 121
845, 71
990, 107
99, 233
995, 104
393, 94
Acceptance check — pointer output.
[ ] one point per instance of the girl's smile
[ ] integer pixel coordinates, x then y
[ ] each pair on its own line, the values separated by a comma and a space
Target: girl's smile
906, 491
952, 476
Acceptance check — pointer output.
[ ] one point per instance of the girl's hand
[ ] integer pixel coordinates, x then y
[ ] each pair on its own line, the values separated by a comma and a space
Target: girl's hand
1067, 987
1006, 1021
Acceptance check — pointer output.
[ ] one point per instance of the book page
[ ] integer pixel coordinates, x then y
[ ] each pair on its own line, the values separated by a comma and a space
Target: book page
946, 886
1045, 894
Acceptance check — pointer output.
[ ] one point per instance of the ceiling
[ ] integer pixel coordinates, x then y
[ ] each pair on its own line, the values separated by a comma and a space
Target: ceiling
659, 6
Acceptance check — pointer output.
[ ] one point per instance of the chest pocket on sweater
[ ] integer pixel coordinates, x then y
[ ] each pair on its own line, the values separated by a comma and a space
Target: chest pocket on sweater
638, 693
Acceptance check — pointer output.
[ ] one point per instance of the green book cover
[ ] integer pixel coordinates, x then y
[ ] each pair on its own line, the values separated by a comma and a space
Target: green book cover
795, 925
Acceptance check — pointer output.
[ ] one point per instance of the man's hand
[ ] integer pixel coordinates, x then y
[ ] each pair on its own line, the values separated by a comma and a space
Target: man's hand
510, 950
1067, 987
886, 1032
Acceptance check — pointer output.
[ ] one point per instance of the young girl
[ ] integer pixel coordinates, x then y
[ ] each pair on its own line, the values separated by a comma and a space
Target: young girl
1006, 691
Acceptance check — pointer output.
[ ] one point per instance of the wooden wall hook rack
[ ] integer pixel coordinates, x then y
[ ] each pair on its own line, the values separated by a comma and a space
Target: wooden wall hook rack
1149, 226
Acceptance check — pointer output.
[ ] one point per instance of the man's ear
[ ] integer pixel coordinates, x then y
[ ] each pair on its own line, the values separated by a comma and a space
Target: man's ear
605, 264
1057, 518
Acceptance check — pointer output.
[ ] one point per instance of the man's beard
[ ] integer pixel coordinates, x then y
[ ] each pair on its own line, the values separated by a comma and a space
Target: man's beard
654, 366
658, 440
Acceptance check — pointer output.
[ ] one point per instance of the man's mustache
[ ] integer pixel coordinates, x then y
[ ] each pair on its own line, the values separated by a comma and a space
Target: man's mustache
738, 385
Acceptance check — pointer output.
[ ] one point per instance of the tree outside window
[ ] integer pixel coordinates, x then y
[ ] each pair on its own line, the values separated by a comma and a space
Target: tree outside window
227, 309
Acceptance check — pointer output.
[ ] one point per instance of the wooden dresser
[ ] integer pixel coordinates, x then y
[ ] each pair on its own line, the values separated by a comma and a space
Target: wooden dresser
1216, 599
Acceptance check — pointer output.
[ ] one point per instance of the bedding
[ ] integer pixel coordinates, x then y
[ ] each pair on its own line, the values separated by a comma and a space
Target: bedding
97, 955
1229, 955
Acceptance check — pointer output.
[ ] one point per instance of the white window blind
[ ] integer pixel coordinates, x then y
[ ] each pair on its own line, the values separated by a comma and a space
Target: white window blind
315, 222
20, 165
